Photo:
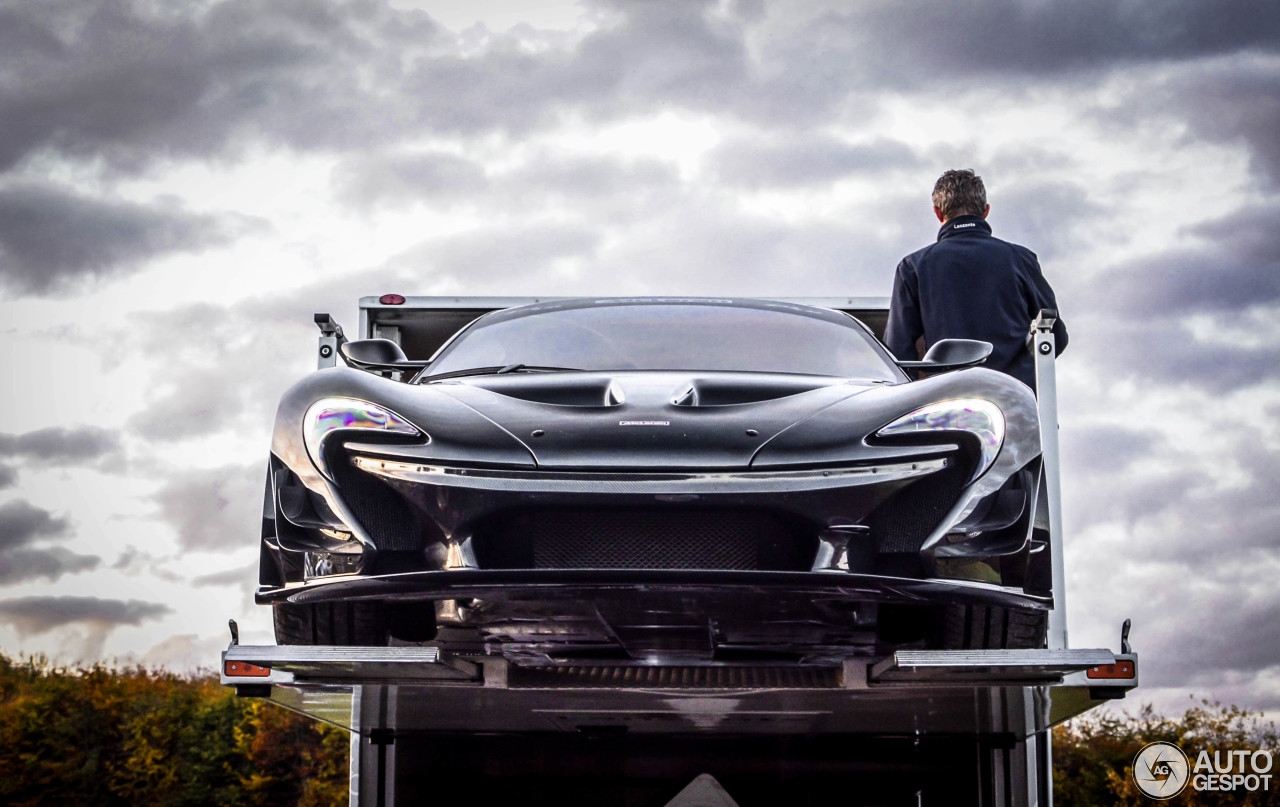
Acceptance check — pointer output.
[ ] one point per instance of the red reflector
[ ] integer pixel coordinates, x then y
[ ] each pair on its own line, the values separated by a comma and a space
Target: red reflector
1121, 669
391, 299
239, 669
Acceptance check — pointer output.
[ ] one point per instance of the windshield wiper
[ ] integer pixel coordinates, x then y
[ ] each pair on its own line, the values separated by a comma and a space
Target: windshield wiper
501, 370
537, 368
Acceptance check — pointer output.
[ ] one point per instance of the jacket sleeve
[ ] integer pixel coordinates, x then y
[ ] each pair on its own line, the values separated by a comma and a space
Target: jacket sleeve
904, 326
1042, 296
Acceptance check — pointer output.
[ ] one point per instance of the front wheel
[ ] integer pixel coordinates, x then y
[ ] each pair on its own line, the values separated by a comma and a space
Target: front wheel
358, 624
353, 624
993, 627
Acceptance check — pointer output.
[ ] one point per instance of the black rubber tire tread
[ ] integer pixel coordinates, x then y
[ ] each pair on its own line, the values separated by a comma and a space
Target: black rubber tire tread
348, 624
992, 627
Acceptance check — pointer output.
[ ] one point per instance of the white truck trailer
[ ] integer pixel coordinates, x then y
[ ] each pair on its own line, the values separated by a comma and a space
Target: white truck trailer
918, 727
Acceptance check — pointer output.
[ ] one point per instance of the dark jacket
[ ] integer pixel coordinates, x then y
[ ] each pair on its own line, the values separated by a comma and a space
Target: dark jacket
971, 285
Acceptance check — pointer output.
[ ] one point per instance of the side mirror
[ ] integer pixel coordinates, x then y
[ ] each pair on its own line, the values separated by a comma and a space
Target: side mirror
378, 354
951, 354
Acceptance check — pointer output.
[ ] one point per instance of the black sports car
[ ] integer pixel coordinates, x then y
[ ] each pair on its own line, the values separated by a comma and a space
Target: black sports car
657, 480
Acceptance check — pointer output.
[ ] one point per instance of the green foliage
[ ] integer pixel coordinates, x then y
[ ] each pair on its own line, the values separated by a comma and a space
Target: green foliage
106, 736
1093, 755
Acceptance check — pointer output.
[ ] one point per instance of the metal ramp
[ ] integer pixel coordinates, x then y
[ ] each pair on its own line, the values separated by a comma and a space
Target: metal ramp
983, 667
948, 691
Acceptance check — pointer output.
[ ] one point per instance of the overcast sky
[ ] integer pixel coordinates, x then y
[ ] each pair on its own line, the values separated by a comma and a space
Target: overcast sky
183, 184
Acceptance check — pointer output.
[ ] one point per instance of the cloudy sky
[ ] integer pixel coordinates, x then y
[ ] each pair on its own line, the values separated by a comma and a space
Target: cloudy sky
183, 184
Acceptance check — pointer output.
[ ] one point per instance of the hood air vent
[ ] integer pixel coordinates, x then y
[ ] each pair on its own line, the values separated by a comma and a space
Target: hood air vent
745, 389
555, 388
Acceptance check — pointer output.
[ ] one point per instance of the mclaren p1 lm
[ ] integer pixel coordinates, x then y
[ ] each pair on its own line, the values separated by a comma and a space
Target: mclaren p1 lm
693, 482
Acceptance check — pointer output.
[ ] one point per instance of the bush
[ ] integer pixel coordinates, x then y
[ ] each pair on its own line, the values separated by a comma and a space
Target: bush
107, 736
1093, 755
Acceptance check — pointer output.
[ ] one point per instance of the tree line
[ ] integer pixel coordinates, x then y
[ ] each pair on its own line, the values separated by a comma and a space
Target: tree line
106, 735
101, 735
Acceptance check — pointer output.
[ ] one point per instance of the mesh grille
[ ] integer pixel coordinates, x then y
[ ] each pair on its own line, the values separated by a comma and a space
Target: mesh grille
382, 512
903, 522
675, 677
644, 539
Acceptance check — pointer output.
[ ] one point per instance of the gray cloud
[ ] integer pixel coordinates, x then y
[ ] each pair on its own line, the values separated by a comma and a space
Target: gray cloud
19, 565
39, 614
940, 43
398, 178
577, 181
587, 181
805, 160
522, 250
50, 236
214, 510
320, 75
219, 367
1234, 99
22, 522
1134, 315
1235, 627
1174, 284
1106, 448
8, 476
1166, 351
59, 445
134, 561
199, 404
129, 83
1051, 216
241, 576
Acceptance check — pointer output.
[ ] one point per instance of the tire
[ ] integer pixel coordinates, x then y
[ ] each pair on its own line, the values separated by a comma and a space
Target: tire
351, 624
992, 627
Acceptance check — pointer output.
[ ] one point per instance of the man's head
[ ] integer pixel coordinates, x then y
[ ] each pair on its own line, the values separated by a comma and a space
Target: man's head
959, 193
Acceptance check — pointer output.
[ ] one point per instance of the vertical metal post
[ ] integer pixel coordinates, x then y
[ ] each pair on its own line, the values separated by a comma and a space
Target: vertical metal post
372, 749
331, 338
355, 759
1045, 349
1028, 750
327, 355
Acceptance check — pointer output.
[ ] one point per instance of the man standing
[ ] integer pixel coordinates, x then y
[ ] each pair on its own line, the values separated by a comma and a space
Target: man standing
969, 285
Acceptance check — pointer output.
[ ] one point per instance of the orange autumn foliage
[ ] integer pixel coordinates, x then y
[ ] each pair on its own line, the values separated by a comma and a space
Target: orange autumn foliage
106, 736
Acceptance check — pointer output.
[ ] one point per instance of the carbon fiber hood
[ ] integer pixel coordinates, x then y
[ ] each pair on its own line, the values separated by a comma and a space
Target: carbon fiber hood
655, 420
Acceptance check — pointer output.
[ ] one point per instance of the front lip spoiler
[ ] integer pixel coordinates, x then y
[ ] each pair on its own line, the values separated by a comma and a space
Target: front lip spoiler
728, 482
578, 583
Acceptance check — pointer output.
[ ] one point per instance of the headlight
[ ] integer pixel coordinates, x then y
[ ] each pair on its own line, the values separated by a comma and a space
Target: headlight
334, 414
978, 417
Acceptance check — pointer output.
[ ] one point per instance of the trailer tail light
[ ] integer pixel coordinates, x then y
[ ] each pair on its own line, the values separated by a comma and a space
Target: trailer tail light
391, 299
240, 669
1121, 669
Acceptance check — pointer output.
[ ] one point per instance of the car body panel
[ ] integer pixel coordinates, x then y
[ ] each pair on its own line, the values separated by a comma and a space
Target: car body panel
713, 484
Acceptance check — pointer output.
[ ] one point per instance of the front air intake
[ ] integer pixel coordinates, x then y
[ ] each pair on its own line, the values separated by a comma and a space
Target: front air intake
383, 513
721, 540
903, 522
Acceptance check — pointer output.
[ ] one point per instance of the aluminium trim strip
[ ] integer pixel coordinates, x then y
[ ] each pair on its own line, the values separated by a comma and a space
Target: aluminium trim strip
759, 482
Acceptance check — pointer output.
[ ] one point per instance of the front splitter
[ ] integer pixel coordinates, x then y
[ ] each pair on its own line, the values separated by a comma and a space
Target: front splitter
580, 583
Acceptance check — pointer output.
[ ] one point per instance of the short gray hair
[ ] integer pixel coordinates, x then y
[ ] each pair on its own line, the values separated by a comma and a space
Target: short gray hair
960, 193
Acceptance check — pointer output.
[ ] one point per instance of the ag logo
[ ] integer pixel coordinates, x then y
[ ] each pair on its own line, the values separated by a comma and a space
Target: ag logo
1161, 770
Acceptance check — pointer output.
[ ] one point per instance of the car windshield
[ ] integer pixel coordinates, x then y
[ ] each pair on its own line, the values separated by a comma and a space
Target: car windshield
670, 336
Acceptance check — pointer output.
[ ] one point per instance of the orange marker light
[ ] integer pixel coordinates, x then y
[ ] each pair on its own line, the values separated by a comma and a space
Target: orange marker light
1121, 669
239, 669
